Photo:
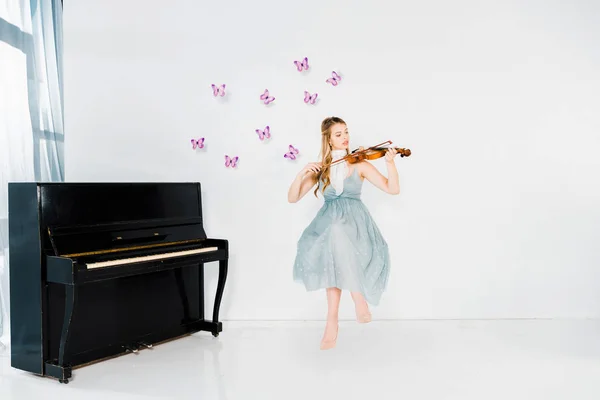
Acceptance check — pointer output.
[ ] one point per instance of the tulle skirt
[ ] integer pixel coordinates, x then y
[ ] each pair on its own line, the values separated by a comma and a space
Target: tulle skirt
342, 247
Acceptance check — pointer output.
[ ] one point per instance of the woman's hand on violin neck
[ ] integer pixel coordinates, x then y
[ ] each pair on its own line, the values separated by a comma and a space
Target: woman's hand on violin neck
390, 154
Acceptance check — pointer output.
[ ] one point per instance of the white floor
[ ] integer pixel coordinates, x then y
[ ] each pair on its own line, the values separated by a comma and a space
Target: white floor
408, 360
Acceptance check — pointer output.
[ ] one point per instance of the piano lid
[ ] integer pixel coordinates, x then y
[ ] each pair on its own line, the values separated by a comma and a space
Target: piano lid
96, 218
135, 235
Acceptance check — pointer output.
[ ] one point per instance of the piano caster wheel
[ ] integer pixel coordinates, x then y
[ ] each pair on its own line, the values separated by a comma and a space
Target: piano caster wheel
65, 381
215, 334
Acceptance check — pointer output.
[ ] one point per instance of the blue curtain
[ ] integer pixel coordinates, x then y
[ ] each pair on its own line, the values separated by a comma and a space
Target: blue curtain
31, 110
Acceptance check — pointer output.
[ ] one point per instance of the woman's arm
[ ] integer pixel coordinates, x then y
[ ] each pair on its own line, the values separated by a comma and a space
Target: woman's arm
390, 184
303, 182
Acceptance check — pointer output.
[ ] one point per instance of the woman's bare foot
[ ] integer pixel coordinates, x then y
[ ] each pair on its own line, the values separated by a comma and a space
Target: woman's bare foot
333, 304
363, 315
330, 334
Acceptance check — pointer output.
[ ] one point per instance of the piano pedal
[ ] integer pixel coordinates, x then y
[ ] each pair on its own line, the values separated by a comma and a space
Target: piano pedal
146, 345
131, 349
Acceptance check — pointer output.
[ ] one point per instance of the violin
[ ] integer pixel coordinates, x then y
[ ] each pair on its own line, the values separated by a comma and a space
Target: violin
372, 153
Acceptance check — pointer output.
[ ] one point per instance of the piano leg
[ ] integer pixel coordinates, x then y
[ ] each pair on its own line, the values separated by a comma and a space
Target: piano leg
201, 289
219, 296
63, 368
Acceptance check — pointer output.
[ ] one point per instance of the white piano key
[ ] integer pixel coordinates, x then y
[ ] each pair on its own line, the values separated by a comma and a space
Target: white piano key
160, 256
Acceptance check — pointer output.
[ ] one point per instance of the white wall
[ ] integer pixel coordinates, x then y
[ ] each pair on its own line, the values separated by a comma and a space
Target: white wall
498, 214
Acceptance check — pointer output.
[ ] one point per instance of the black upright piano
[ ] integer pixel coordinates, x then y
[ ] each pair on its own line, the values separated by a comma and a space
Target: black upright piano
102, 269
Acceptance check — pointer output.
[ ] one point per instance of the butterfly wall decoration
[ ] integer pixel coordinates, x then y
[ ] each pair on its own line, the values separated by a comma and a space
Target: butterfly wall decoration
335, 78
310, 98
302, 65
266, 97
292, 153
198, 143
218, 90
231, 161
262, 134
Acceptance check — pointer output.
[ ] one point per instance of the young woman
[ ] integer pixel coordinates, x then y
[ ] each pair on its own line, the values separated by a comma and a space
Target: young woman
342, 247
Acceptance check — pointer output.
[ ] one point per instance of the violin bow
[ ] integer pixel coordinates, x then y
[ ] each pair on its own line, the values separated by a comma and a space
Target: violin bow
372, 147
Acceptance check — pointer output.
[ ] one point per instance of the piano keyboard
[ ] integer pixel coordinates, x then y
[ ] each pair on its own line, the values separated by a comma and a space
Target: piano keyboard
149, 258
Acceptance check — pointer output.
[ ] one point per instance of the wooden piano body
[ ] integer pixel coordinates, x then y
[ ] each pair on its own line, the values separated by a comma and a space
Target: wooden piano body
101, 269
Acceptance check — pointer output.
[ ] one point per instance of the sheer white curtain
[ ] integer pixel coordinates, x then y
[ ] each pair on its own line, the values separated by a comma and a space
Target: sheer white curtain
31, 111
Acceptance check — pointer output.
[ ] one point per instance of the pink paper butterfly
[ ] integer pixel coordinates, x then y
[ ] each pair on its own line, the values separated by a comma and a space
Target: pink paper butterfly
292, 153
310, 98
335, 78
231, 162
218, 90
198, 143
264, 134
265, 96
302, 64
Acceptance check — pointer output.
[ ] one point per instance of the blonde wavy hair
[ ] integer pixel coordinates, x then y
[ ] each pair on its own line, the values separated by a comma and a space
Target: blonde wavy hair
325, 153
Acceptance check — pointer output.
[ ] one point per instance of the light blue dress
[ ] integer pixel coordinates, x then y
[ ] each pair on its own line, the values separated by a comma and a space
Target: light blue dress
342, 246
